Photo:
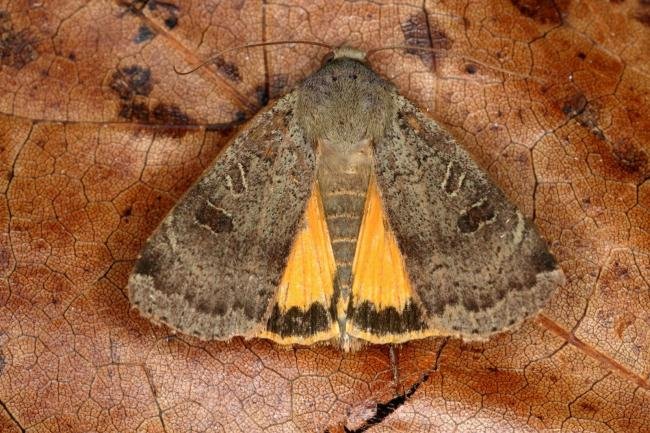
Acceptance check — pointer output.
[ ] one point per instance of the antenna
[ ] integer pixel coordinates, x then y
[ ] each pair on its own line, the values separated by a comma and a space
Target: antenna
478, 62
251, 45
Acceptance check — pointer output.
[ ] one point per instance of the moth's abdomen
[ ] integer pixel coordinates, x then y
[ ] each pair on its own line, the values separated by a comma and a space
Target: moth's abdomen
344, 212
344, 194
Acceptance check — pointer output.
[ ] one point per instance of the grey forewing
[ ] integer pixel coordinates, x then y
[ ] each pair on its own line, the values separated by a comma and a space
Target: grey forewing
475, 262
213, 266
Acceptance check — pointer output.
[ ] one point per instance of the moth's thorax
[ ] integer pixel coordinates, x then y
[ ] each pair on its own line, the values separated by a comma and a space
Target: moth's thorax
345, 103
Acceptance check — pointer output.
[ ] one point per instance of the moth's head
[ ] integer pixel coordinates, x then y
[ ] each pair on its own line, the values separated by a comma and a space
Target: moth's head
345, 52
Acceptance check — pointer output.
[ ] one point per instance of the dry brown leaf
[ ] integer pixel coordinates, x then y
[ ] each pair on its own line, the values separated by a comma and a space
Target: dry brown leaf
99, 137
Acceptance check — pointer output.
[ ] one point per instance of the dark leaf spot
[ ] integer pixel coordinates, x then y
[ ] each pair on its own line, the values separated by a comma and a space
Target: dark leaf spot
417, 33
130, 81
588, 407
262, 95
230, 70
582, 55
643, 16
277, 85
133, 7
144, 34
217, 219
542, 11
166, 7
629, 158
137, 111
575, 105
171, 22
164, 114
16, 47
127, 213
240, 116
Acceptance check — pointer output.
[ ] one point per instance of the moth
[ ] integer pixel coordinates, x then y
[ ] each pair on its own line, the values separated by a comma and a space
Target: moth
343, 214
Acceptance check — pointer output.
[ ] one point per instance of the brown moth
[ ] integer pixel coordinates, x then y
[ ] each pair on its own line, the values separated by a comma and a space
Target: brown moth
342, 213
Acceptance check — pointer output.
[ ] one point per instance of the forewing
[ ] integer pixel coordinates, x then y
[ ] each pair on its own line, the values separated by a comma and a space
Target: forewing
476, 263
213, 266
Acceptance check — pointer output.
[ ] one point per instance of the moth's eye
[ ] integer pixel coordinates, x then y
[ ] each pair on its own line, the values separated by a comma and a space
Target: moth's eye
328, 58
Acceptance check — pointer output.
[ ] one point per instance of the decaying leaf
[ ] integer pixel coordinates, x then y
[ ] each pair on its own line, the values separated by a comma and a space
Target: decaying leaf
99, 137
